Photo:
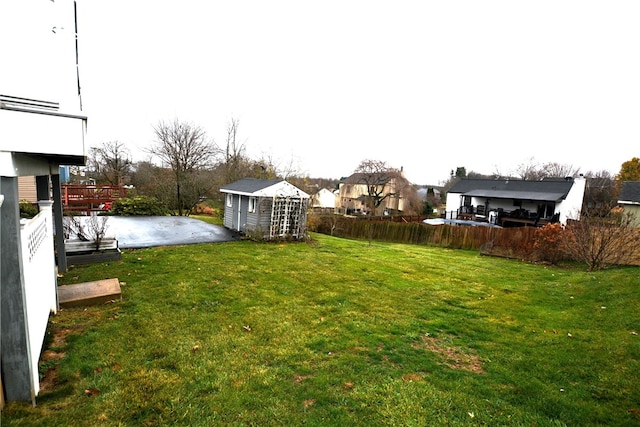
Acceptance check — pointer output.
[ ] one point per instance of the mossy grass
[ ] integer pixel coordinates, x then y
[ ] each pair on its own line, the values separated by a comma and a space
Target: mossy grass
342, 332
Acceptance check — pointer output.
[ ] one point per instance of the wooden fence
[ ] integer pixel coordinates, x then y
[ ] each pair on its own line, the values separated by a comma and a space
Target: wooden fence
514, 242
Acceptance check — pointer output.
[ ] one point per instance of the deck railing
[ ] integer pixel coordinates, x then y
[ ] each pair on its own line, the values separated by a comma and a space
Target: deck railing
78, 197
39, 272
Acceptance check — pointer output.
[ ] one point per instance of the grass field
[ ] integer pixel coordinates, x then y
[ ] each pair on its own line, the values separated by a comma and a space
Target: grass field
340, 332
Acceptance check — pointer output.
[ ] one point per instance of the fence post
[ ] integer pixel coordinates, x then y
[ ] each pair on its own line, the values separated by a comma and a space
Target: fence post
13, 323
58, 213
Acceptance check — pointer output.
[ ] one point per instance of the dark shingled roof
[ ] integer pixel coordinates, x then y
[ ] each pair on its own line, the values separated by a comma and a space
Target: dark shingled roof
545, 190
630, 192
249, 185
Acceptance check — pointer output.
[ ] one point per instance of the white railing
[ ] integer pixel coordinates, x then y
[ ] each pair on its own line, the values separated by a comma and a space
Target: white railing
39, 272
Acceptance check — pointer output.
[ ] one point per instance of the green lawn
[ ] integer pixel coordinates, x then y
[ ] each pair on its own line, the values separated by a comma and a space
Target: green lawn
340, 332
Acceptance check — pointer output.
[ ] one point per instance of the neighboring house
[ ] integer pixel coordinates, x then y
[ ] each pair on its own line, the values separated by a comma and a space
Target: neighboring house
629, 198
353, 194
27, 189
324, 201
41, 128
509, 202
269, 209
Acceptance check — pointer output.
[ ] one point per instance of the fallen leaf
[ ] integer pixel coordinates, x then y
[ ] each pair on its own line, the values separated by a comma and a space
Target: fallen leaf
90, 392
195, 348
348, 386
309, 402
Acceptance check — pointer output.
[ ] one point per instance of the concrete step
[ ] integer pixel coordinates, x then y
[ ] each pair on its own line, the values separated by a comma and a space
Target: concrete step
89, 293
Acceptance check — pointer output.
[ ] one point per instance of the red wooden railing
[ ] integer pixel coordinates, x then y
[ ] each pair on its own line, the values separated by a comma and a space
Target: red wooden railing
87, 198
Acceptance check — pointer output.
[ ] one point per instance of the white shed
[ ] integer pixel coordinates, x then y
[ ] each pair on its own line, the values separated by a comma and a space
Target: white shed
270, 209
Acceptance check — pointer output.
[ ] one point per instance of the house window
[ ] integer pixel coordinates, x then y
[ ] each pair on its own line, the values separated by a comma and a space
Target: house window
252, 204
229, 200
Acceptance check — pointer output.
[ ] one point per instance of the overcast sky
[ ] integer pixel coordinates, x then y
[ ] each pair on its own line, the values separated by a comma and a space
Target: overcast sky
423, 85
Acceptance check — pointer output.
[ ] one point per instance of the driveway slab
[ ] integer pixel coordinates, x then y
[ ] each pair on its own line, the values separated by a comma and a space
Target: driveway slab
148, 231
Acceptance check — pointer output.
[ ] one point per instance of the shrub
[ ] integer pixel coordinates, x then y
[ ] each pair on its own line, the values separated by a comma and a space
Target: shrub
139, 206
203, 209
28, 209
602, 241
548, 243
313, 222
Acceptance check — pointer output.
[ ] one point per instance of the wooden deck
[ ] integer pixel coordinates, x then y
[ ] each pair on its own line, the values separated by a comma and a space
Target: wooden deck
90, 198
89, 293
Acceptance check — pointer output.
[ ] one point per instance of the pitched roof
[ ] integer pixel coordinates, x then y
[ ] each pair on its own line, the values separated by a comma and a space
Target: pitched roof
249, 185
376, 178
629, 193
545, 190
263, 188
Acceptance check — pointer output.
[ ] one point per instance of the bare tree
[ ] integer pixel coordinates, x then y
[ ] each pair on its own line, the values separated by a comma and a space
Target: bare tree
602, 241
110, 162
380, 182
236, 164
601, 193
530, 170
558, 170
186, 149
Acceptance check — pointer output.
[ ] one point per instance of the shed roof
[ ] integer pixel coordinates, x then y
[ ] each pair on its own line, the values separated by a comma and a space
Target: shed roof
263, 188
630, 193
545, 190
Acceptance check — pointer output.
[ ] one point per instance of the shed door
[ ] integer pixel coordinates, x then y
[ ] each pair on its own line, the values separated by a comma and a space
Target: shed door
235, 207
242, 215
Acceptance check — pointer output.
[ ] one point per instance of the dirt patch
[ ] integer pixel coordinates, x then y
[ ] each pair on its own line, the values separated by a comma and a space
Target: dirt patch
51, 356
50, 379
411, 378
454, 357
301, 378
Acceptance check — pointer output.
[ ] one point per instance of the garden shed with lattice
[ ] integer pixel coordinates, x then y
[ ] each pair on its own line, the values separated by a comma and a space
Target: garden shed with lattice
266, 209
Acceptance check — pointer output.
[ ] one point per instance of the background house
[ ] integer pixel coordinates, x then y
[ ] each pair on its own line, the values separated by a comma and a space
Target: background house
629, 198
324, 201
509, 202
354, 193
269, 209
41, 128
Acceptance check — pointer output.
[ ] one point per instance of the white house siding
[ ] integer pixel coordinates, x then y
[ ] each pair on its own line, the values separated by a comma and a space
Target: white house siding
571, 206
324, 199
